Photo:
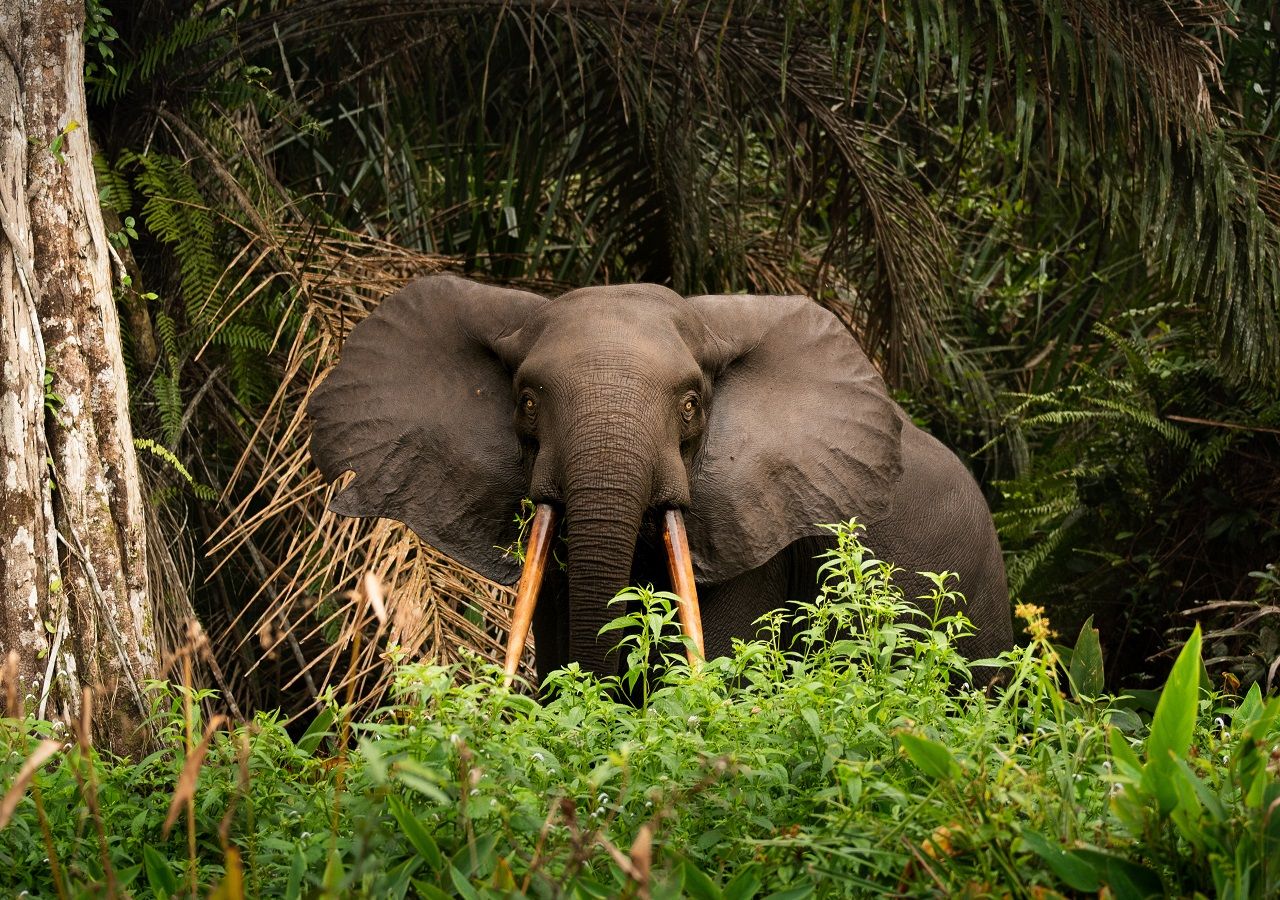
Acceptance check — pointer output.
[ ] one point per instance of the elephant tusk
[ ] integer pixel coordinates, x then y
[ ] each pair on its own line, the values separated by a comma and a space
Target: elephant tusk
541, 534
680, 565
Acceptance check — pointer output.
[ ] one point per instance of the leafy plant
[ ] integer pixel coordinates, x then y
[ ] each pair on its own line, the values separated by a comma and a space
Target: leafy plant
856, 765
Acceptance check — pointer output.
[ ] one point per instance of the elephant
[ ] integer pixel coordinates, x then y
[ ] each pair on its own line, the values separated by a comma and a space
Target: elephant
724, 427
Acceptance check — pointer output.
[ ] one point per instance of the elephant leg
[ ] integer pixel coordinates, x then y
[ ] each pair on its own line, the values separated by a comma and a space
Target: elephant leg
940, 521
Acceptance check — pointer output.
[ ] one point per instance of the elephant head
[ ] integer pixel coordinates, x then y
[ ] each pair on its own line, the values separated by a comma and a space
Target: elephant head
754, 417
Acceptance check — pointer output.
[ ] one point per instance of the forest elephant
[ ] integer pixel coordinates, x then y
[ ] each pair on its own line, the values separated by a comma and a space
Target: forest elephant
676, 440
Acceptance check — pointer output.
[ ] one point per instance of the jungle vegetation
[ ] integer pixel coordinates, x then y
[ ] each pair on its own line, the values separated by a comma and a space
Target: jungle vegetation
1053, 224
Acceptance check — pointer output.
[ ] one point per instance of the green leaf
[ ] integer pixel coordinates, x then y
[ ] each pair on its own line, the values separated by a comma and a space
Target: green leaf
293, 888
930, 757
583, 886
1127, 880
419, 778
698, 885
1086, 662
464, 887
1123, 758
159, 875
745, 884
811, 719
334, 873
416, 834
800, 892
128, 875
1174, 722
1249, 709
1074, 872
316, 731
430, 891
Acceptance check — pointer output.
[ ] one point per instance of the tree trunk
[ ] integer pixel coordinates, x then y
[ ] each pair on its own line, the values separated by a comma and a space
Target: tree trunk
74, 605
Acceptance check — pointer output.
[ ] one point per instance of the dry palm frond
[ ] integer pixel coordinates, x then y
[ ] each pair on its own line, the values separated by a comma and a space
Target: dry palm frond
317, 559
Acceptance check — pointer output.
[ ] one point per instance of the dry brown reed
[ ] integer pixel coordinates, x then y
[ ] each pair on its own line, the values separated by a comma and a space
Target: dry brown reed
304, 609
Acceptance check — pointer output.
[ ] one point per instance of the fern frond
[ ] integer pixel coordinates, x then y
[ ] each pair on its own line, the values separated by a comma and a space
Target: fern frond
169, 400
154, 55
1024, 566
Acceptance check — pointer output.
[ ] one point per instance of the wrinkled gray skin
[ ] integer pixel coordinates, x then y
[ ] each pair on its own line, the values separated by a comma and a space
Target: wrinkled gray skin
758, 416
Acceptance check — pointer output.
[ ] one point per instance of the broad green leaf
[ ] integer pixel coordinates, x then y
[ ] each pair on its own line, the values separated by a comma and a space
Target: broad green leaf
811, 719
334, 874
316, 731
293, 888
418, 777
159, 875
587, 887
1125, 720
415, 833
1086, 662
1251, 759
430, 891
1127, 880
462, 885
930, 757
1175, 718
401, 877
1249, 709
1074, 871
745, 884
697, 884
1262, 723
128, 875
1122, 756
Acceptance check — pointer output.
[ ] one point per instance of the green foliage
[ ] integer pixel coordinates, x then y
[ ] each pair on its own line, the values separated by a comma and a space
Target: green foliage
1055, 223
111, 82
1148, 482
862, 765
203, 491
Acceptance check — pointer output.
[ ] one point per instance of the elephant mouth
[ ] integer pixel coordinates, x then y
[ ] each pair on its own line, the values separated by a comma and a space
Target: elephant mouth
669, 524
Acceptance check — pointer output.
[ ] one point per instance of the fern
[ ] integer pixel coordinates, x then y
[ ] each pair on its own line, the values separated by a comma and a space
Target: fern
242, 336
154, 56
114, 192
167, 332
1026, 565
177, 214
169, 401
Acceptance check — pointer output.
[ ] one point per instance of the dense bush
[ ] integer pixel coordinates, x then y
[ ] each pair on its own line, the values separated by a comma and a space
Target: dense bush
1052, 225
860, 765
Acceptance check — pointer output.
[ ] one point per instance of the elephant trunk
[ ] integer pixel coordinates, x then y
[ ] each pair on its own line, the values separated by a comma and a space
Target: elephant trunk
603, 513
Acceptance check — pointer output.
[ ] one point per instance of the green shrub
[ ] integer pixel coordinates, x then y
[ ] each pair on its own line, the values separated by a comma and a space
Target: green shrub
848, 766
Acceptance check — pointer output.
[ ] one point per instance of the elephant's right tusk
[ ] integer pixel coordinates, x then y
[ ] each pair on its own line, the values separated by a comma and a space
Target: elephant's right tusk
541, 533
680, 565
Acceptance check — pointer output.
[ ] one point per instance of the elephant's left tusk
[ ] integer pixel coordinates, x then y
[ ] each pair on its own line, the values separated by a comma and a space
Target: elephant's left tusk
541, 534
680, 565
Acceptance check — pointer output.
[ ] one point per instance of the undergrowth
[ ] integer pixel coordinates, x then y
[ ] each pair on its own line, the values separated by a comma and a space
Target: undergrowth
859, 765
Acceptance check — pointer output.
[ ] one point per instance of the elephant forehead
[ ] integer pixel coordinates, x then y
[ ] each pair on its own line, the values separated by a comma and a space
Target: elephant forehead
623, 293
645, 318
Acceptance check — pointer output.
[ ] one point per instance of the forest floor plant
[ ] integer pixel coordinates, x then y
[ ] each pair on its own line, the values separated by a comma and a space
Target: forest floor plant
860, 765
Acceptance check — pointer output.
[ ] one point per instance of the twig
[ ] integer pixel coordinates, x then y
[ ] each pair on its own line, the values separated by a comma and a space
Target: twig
59, 633
1234, 426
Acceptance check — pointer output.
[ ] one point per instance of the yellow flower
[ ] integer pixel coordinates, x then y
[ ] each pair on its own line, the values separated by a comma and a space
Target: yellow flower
1037, 624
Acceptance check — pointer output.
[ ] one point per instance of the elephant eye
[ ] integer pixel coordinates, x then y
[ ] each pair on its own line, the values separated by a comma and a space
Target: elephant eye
528, 403
690, 406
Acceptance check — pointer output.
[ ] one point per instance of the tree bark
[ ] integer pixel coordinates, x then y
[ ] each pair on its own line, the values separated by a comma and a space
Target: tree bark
74, 604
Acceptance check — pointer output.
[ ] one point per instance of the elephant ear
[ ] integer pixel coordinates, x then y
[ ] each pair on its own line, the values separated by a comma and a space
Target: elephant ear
420, 409
801, 431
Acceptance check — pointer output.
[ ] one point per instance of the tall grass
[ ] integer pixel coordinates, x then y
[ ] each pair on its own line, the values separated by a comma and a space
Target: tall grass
859, 764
